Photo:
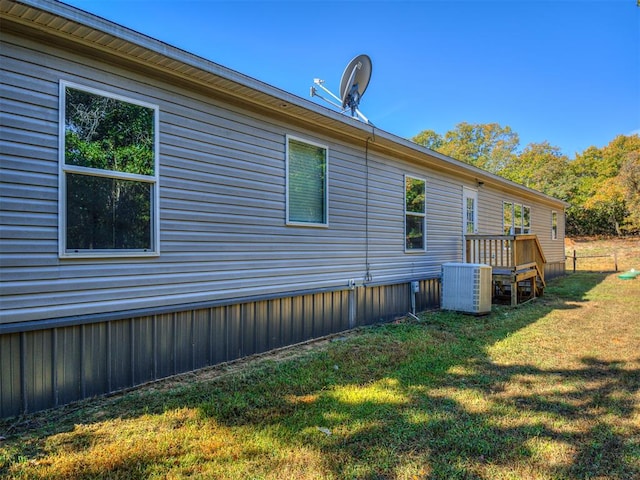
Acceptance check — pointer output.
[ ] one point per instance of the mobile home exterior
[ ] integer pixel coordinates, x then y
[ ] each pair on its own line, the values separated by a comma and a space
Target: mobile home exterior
235, 218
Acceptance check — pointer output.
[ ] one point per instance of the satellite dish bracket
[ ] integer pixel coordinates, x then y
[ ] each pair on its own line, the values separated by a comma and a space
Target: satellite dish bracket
364, 119
352, 87
314, 93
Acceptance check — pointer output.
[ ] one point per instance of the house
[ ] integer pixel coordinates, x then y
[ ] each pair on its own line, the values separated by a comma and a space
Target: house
162, 213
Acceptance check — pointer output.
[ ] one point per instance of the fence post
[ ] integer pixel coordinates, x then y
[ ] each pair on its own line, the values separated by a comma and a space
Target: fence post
615, 260
575, 259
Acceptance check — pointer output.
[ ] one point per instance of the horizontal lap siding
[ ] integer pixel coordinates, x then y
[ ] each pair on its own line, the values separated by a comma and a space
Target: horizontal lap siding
222, 199
387, 256
444, 219
541, 225
28, 165
222, 205
490, 220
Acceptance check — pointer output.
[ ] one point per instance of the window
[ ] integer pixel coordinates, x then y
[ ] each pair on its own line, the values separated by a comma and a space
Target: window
516, 219
507, 218
470, 213
108, 174
307, 187
554, 225
526, 219
415, 213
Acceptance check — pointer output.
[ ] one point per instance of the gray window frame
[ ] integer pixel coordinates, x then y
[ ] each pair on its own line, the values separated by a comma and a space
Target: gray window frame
288, 201
64, 169
422, 215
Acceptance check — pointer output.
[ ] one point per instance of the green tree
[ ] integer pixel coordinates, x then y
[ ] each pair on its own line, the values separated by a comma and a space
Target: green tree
629, 178
487, 146
599, 190
542, 167
429, 139
602, 185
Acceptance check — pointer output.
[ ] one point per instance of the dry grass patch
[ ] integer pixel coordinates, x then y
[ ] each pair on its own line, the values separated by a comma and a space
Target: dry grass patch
599, 255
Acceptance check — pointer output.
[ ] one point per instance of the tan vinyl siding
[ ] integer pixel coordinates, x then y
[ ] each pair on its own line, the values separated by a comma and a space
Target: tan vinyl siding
490, 219
222, 202
29, 166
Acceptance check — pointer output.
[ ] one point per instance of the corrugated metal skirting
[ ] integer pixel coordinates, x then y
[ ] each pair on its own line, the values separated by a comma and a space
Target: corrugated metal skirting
46, 368
553, 270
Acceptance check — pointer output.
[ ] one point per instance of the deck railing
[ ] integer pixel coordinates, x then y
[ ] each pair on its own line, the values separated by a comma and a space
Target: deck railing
513, 252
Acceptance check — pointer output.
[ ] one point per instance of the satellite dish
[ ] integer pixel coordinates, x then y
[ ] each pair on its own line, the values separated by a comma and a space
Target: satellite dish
354, 82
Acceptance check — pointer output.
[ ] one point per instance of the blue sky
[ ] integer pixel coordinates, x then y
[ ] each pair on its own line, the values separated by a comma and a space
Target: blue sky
567, 72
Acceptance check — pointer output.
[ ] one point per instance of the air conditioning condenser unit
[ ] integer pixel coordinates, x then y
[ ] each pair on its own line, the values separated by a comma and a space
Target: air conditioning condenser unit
466, 287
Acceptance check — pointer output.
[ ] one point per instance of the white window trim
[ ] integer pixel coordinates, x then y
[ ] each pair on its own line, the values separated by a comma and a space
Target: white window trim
423, 215
470, 193
63, 169
326, 184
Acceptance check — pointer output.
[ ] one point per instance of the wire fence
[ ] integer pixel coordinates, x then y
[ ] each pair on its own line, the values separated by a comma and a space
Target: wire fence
592, 263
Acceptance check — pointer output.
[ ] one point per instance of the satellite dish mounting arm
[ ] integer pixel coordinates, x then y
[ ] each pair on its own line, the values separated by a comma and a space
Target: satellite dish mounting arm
314, 93
353, 84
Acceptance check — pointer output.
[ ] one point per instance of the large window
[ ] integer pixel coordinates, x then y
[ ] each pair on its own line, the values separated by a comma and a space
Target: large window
516, 218
307, 187
108, 174
414, 213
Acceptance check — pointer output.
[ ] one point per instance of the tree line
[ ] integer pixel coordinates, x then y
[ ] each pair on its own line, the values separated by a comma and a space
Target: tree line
602, 185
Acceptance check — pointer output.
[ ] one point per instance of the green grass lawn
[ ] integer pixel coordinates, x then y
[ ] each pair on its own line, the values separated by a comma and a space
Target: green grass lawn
548, 390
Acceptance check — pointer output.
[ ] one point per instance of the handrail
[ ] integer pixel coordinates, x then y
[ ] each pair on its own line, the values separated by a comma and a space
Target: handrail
506, 251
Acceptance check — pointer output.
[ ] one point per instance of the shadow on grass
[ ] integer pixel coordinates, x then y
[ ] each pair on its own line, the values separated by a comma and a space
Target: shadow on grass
575, 286
419, 400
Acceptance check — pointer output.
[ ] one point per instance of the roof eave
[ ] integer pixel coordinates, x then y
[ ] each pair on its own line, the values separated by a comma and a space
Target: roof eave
93, 32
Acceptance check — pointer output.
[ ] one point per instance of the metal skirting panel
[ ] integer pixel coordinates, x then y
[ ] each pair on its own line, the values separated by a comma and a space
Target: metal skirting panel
52, 367
429, 296
553, 270
11, 375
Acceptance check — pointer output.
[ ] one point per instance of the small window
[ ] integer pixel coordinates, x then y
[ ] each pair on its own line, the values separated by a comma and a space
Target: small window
470, 220
108, 174
415, 213
554, 225
307, 187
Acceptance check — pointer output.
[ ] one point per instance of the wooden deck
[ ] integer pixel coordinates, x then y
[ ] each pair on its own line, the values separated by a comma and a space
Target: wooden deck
517, 263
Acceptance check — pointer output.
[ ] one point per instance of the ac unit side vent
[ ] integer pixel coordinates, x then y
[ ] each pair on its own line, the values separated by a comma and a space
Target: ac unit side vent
466, 287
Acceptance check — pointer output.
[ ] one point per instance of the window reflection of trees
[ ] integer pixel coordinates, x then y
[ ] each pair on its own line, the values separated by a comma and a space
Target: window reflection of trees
109, 150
